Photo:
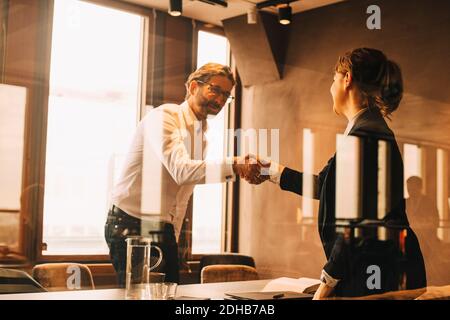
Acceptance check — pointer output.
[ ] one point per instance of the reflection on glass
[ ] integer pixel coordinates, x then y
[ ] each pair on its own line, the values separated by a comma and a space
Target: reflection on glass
308, 179
370, 208
384, 179
348, 176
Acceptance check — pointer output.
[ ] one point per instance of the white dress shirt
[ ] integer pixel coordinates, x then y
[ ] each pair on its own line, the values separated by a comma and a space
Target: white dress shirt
163, 165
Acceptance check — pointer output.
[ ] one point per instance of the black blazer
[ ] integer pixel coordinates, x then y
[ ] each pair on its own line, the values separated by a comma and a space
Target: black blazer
371, 127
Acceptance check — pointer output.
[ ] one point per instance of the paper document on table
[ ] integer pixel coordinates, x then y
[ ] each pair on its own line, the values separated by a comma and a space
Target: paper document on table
301, 285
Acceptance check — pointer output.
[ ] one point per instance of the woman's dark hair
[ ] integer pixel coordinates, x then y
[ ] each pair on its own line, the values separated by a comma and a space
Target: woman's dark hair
378, 78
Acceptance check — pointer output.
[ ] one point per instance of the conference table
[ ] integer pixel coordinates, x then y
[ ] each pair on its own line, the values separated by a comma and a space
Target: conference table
213, 291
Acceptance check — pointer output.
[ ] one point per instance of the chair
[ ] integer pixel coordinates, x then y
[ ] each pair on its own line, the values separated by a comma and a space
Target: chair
227, 272
63, 276
227, 259
17, 281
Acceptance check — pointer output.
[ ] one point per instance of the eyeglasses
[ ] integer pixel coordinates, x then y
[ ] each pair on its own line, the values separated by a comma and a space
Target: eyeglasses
217, 91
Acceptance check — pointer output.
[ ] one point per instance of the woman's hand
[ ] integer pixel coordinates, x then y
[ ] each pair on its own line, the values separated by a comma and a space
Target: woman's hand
323, 291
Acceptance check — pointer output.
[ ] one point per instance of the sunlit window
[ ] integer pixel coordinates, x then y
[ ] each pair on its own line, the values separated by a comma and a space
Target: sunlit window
208, 199
412, 161
12, 122
93, 110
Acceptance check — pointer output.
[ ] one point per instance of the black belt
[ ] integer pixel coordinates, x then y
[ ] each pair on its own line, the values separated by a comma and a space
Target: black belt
156, 228
117, 215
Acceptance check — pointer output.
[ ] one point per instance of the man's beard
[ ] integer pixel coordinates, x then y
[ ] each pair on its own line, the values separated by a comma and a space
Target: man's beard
210, 107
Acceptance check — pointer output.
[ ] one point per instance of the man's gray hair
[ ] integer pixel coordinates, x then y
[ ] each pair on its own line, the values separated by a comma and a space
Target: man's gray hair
207, 71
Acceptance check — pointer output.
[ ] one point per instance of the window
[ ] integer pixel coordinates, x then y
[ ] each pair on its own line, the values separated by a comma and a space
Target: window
12, 121
412, 163
93, 110
209, 199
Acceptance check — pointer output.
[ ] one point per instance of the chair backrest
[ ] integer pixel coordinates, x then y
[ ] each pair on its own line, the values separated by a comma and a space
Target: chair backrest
17, 281
63, 276
226, 258
227, 272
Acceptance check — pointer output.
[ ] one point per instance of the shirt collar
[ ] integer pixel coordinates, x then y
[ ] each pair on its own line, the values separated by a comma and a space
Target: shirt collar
191, 118
351, 123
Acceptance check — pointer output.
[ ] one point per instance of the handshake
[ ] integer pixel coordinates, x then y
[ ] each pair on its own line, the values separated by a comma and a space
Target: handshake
251, 168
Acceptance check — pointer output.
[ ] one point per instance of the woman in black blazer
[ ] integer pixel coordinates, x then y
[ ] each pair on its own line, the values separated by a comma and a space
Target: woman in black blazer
367, 88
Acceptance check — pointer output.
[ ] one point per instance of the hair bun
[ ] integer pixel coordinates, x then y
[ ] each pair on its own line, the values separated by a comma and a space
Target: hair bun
391, 92
390, 95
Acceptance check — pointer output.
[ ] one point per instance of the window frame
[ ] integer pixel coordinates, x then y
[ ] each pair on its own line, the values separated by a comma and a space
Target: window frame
231, 191
145, 14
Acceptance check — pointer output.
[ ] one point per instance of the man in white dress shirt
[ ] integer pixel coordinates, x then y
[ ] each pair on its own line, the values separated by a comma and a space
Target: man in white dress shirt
163, 165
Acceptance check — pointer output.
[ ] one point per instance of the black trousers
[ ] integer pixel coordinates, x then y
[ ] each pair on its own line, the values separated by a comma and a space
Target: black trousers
119, 225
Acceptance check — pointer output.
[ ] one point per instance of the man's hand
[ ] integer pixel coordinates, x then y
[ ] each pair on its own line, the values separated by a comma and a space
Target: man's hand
250, 167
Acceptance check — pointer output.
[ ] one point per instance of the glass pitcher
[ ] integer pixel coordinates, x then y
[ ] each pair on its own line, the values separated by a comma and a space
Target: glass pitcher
138, 270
